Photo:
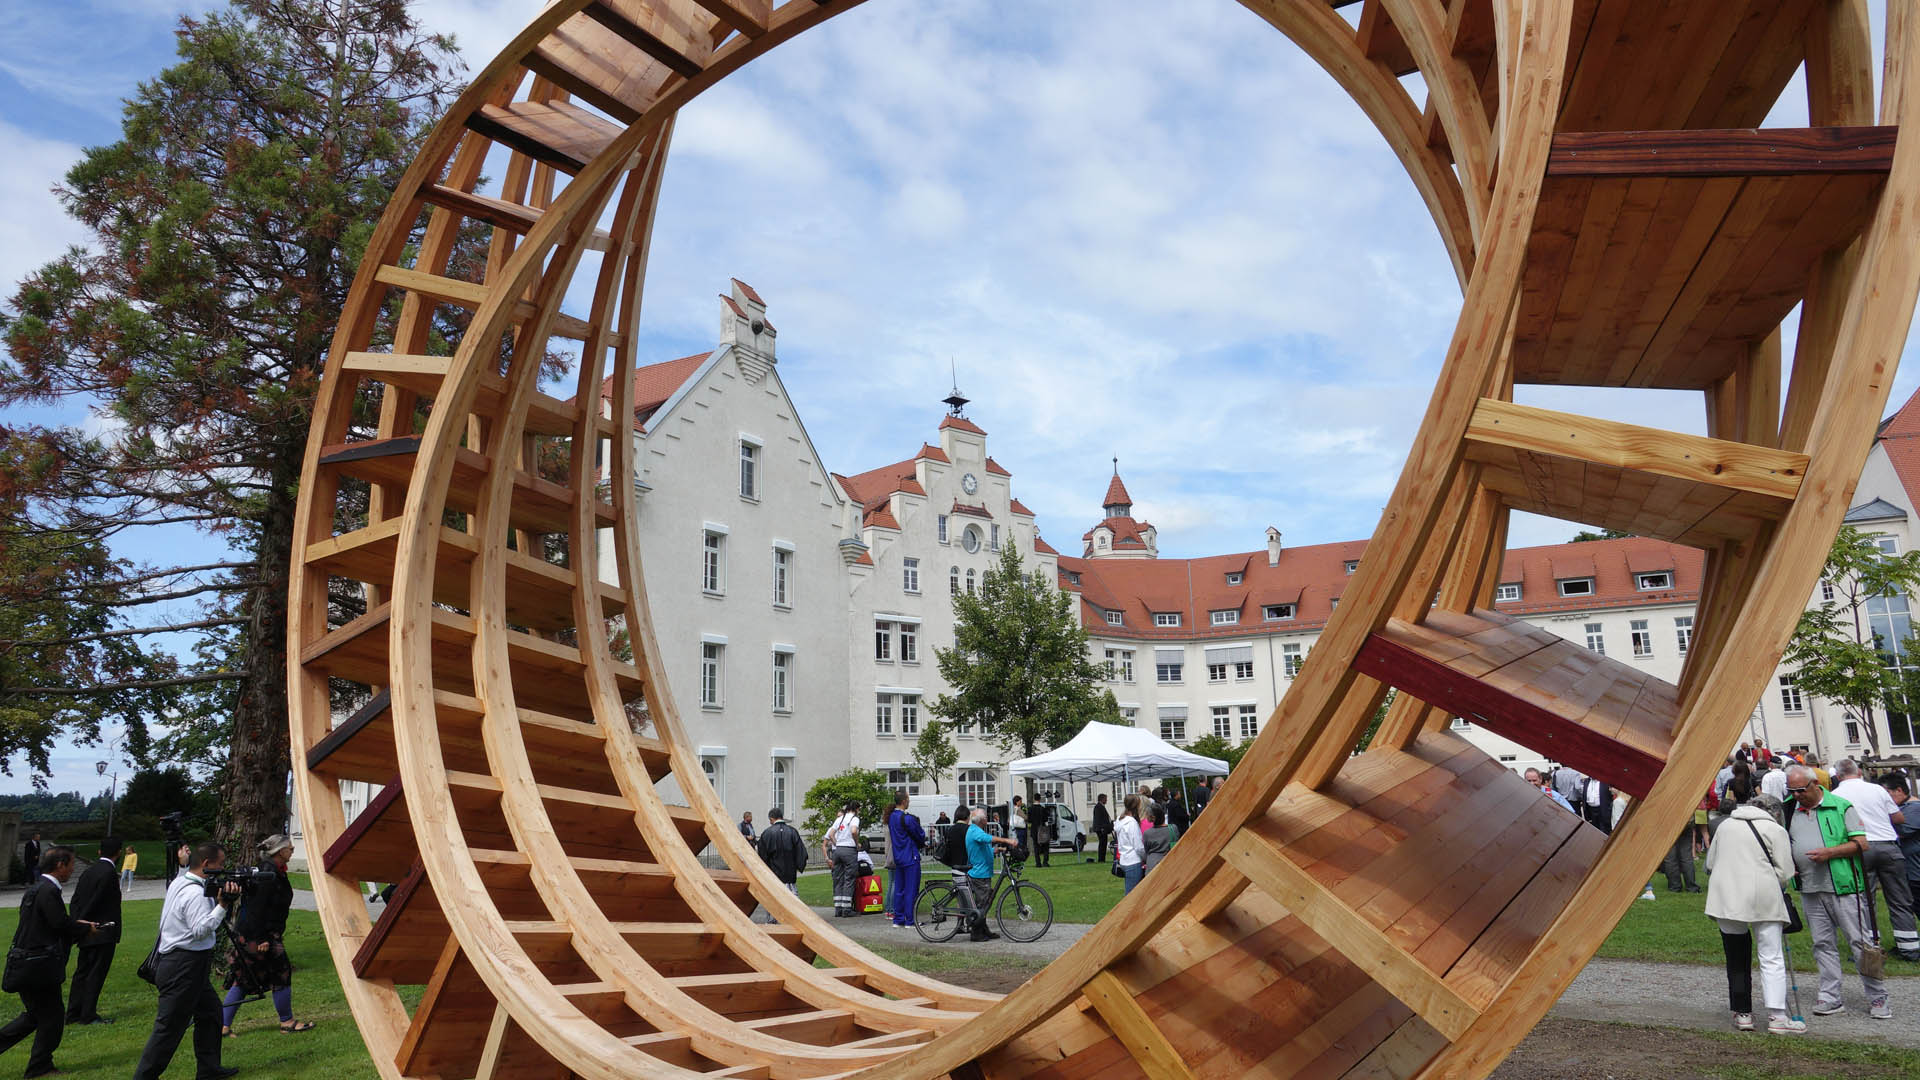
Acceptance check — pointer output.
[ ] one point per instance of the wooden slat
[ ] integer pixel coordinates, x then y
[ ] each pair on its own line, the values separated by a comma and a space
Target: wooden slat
749, 17
499, 213
1271, 871
538, 505
640, 25
1381, 41
1739, 152
424, 375
408, 938
1116, 1005
471, 295
555, 133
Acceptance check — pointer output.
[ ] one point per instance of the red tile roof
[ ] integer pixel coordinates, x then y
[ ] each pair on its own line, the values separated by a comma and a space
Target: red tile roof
736, 307
994, 468
961, 423
748, 290
1043, 547
875, 485
1117, 494
932, 453
1019, 507
880, 516
1900, 438
654, 384
865, 559
1126, 532
971, 511
1312, 577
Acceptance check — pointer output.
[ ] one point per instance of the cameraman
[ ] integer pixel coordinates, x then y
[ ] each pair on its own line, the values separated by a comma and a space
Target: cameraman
257, 954
189, 922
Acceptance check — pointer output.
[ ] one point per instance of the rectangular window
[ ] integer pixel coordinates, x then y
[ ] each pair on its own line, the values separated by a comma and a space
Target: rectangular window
781, 767
1249, 721
1235, 577
900, 781
1352, 565
953, 581
1790, 699
1173, 728
1641, 636
1596, 640
943, 528
909, 643
713, 562
1114, 618
782, 577
1577, 587
749, 463
910, 575
883, 715
883, 642
1886, 545
1653, 582
1166, 673
1853, 733
1225, 618
1120, 665
1276, 612
1223, 721
782, 682
1826, 592
710, 674
909, 714
993, 542
1508, 593
1683, 633
1166, 618
1242, 670
1217, 672
1290, 660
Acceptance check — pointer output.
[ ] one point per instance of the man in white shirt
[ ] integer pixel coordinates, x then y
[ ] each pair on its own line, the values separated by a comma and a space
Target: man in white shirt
1886, 865
1774, 783
189, 922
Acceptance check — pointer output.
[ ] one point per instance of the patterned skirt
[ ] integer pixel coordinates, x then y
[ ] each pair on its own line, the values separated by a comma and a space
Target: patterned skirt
256, 973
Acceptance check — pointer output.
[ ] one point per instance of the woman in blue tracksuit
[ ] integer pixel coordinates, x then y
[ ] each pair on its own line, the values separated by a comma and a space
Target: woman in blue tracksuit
905, 838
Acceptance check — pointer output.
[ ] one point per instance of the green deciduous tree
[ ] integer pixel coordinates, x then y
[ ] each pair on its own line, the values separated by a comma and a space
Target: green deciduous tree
227, 224
867, 788
1837, 650
1585, 535
934, 754
1019, 666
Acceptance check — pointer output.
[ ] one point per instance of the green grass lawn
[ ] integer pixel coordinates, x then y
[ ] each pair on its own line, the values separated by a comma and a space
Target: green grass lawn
1082, 892
1675, 929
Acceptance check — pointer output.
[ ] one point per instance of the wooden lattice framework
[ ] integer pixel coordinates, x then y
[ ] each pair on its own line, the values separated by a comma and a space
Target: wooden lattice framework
1614, 221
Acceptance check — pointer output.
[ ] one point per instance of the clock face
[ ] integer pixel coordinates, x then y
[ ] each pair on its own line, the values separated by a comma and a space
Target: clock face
969, 484
971, 538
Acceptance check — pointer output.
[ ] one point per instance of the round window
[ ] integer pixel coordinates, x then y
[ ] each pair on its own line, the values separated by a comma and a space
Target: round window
971, 538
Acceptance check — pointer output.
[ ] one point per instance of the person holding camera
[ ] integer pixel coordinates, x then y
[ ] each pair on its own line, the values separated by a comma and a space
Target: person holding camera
189, 921
37, 963
257, 954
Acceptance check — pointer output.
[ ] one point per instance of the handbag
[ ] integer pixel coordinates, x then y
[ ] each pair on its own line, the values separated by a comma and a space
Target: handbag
1868, 959
1794, 925
149, 969
1117, 872
29, 969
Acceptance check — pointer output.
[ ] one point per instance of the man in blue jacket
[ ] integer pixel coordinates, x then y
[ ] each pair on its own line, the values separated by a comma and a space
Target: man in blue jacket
905, 838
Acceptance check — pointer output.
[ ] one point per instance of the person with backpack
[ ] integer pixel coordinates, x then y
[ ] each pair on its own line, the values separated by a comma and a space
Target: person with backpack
905, 838
37, 963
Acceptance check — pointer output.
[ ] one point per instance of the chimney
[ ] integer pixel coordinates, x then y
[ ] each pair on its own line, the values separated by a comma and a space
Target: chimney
1273, 546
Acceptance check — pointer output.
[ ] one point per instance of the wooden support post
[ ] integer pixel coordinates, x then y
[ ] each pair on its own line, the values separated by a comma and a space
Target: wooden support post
1134, 1028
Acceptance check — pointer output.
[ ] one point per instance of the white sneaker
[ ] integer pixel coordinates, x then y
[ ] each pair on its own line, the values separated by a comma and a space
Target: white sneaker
1743, 1021
1648, 895
1880, 1009
1786, 1025
1829, 1008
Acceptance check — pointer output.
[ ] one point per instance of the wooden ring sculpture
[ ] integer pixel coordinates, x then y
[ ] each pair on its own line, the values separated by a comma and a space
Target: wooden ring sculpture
1615, 221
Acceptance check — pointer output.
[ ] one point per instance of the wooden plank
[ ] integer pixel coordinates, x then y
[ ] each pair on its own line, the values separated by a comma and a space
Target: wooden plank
554, 133
641, 25
1270, 870
1737, 152
409, 936
1130, 1024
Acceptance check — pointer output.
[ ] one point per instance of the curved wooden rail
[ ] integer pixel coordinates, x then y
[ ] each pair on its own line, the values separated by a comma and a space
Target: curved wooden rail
1404, 912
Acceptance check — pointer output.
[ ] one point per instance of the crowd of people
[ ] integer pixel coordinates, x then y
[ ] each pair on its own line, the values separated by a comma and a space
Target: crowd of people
179, 965
1787, 844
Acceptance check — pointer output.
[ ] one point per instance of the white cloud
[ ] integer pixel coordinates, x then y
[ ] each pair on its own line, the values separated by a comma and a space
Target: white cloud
34, 229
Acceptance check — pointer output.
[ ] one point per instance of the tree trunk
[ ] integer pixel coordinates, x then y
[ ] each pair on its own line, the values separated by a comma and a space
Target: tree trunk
254, 803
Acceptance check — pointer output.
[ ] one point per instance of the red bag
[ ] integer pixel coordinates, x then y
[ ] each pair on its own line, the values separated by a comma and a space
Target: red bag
868, 896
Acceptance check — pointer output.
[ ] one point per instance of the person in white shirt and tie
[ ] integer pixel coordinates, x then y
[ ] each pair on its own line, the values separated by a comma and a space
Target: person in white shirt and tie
189, 922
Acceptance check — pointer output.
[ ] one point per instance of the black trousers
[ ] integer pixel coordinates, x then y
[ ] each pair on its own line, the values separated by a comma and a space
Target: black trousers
1102, 857
83, 1002
42, 1020
186, 997
1739, 953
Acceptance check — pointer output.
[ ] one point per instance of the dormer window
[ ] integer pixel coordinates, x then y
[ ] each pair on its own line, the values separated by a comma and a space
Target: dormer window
1277, 612
1507, 594
1073, 578
1114, 618
1653, 582
1576, 587
1166, 618
1352, 565
1235, 577
1225, 618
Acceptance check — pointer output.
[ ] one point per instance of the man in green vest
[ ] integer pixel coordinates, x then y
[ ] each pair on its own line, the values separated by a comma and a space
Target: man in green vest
1828, 841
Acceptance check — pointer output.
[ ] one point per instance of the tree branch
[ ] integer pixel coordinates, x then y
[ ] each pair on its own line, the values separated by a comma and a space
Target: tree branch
143, 684
133, 632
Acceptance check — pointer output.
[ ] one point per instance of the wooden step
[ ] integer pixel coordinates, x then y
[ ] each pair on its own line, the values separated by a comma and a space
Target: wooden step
1574, 706
821, 1027
647, 27
1729, 61
409, 936
537, 506
1658, 258
539, 593
381, 839
547, 677
450, 1025
499, 213
1145, 1042
556, 133
620, 55
472, 294
1645, 481
565, 752
425, 375
749, 995
612, 882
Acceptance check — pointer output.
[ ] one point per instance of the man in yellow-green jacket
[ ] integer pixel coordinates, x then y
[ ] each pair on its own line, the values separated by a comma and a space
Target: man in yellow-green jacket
1828, 841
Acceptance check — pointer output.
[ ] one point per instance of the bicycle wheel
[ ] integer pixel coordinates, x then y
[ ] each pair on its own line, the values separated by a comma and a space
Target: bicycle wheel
936, 912
1024, 911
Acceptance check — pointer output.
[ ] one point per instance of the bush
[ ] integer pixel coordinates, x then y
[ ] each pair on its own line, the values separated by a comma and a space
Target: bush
865, 787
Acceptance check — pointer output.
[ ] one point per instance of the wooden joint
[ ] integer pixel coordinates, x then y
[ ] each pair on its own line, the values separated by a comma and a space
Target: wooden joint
1134, 1028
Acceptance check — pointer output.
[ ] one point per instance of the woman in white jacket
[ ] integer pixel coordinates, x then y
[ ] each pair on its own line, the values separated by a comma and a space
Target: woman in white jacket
1749, 859
1128, 845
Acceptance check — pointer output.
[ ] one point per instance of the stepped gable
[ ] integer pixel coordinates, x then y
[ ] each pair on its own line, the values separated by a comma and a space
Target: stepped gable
874, 485
655, 384
1899, 436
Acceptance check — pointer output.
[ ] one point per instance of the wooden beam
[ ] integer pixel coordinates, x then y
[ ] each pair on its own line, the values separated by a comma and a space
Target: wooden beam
1272, 872
1134, 1028
1724, 152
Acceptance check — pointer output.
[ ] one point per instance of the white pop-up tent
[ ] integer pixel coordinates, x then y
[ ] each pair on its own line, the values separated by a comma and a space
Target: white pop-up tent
1103, 752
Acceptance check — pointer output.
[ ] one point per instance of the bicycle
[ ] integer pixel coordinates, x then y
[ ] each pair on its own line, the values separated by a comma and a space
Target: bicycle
1022, 909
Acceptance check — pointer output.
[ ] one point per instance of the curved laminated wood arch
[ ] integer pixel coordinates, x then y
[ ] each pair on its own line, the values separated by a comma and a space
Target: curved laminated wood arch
1399, 913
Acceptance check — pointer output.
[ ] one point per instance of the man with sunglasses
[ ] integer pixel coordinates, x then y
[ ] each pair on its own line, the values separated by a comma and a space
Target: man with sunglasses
1828, 841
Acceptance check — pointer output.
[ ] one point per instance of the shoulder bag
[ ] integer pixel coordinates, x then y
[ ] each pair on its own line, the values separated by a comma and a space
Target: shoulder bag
1794, 925
29, 969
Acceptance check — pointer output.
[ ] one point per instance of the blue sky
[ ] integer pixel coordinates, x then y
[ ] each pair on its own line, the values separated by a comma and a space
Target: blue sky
1161, 234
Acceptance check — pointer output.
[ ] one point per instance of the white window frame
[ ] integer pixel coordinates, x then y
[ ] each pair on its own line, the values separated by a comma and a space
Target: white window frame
713, 561
1887, 545
1235, 577
783, 678
1120, 665
943, 535
883, 641
1224, 617
1596, 637
910, 575
713, 657
1792, 702
1579, 586
969, 581
1249, 721
977, 787
993, 537
1653, 581
1173, 729
1277, 612
1216, 672
782, 574
1351, 565
1641, 637
883, 715
1168, 674
1222, 721
909, 714
1166, 618
1683, 632
953, 581
1242, 670
909, 643
1506, 593
780, 772
1291, 657
749, 469
1115, 618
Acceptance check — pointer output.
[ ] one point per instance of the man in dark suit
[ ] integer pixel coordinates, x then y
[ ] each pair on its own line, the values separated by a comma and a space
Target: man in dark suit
44, 924
97, 900
30, 857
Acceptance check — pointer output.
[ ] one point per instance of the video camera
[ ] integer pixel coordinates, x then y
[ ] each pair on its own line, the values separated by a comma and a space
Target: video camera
250, 879
174, 827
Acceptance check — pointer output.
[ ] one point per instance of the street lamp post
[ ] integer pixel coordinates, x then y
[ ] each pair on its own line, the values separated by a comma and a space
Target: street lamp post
100, 767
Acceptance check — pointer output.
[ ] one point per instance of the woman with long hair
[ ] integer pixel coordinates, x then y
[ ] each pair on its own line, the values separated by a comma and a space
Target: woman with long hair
1129, 846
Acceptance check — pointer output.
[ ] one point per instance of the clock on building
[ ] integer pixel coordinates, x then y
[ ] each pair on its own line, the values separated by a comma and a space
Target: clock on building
969, 483
970, 539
